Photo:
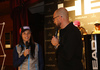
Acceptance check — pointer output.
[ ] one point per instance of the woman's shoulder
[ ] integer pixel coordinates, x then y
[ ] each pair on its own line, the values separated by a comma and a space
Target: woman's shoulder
38, 46
18, 45
36, 43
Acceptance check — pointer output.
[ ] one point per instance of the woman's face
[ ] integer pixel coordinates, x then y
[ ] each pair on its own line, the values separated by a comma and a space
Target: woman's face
26, 35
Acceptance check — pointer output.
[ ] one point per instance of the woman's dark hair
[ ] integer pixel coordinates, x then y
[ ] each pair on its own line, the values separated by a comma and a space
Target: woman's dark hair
31, 44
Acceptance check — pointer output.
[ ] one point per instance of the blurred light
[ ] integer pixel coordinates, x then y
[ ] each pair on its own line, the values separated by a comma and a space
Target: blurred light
88, 7
60, 5
7, 46
77, 8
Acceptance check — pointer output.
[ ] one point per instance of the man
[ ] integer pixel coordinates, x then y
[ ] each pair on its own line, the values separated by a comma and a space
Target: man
82, 30
97, 28
69, 49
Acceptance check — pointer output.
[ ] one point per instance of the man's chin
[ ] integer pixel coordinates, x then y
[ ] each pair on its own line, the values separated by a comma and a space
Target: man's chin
58, 27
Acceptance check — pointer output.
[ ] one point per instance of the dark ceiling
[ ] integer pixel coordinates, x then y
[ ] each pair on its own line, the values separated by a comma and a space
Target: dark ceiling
4, 8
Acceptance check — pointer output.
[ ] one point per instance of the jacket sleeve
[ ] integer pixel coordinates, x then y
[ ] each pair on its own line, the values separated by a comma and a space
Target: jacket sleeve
16, 60
40, 58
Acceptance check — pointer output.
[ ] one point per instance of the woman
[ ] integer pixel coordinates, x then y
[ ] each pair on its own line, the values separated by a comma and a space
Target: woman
27, 55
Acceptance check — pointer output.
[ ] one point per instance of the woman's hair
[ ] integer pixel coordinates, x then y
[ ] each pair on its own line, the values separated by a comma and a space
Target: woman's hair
31, 44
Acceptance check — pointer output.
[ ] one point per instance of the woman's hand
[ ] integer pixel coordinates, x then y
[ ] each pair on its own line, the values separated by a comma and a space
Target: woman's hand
26, 52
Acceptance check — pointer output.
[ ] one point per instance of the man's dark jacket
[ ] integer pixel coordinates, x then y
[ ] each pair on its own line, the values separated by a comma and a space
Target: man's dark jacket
69, 53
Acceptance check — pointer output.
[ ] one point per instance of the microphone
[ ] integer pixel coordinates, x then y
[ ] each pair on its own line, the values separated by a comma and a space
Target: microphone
56, 35
27, 45
56, 32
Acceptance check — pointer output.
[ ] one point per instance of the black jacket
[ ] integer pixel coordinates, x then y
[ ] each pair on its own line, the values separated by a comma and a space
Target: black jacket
69, 53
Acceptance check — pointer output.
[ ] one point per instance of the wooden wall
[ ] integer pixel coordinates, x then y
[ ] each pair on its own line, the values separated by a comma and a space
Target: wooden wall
5, 17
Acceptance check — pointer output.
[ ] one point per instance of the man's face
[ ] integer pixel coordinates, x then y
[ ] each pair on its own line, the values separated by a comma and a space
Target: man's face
56, 20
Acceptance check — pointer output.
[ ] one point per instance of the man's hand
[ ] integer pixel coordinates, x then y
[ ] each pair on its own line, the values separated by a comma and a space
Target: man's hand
54, 41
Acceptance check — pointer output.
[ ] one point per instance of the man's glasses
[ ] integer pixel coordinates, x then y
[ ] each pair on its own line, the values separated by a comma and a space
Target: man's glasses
55, 17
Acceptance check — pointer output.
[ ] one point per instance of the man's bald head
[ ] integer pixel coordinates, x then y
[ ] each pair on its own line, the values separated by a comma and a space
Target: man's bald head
62, 12
61, 18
